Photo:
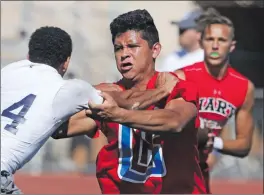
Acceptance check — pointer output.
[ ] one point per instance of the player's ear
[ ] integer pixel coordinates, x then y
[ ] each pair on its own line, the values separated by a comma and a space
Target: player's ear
66, 64
63, 67
233, 46
156, 48
198, 36
201, 43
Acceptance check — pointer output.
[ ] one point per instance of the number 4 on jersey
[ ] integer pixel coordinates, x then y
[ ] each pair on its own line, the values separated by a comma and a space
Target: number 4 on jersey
25, 103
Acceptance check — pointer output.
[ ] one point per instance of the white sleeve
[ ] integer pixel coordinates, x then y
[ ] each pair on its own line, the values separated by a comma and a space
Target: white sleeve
73, 97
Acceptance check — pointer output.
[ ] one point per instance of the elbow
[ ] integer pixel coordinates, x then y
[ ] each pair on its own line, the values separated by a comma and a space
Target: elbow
54, 137
174, 126
177, 125
165, 125
180, 121
245, 149
60, 134
244, 153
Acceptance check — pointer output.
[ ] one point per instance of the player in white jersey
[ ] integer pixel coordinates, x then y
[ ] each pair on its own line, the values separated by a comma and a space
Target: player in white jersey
35, 100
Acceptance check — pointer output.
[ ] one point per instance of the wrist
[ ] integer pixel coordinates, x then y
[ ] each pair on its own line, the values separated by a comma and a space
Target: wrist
122, 115
163, 90
218, 143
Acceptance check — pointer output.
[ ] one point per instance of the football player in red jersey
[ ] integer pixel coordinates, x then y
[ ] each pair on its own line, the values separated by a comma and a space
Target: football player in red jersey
152, 150
223, 92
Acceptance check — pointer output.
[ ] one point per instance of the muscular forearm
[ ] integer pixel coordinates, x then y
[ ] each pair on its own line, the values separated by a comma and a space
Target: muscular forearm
152, 120
238, 147
78, 124
140, 99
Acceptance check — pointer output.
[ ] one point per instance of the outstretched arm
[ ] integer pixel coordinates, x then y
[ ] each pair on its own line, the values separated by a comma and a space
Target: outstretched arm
68, 106
139, 100
78, 124
173, 117
81, 124
241, 146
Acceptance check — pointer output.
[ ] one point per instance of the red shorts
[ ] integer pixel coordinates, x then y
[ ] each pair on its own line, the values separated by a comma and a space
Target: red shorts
109, 186
151, 186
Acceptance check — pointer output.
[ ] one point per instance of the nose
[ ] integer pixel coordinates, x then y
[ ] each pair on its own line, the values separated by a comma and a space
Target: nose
215, 45
125, 54
123, 57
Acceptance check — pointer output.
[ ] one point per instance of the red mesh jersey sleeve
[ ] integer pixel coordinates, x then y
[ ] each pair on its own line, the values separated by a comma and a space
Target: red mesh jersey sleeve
186, 90
189, 92
97, 132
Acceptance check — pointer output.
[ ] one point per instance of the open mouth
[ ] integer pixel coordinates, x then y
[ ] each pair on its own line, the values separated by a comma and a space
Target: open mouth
126, 66
214, 55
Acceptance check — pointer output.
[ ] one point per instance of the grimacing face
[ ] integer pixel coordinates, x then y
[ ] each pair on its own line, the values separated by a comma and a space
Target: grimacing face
217, 43
134, 57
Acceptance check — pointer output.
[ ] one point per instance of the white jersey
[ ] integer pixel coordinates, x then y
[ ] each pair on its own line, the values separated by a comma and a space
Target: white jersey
180, 59
35, 101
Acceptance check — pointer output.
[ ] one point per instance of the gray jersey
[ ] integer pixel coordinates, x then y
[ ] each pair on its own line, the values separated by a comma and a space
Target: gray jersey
35, 101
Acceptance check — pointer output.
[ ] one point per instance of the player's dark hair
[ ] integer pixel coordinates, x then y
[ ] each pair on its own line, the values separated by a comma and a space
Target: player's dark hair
137, 20
211, 16
50, 45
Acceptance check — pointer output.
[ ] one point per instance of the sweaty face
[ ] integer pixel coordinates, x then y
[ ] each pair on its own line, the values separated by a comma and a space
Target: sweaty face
134, 57
188, 38
217, 44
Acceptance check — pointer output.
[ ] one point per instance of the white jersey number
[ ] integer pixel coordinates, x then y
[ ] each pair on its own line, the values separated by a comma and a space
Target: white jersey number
19, 118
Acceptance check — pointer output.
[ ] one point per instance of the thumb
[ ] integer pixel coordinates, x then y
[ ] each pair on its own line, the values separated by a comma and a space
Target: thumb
91, 105
106, 96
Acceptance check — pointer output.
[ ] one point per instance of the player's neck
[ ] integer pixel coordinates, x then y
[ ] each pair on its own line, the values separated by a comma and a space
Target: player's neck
141, 82
217, 72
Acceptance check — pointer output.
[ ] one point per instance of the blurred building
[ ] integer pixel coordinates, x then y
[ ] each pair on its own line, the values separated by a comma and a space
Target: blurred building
88, 24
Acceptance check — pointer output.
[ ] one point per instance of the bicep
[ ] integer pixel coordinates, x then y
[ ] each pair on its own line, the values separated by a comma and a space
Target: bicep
73, 97
180, 74
244, 124
244, 117
187, 110
69, 105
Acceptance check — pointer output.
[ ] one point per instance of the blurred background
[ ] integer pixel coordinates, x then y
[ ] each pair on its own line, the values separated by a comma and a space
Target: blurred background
64, 162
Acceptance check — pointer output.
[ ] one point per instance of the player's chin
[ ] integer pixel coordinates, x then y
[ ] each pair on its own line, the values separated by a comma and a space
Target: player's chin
129, 75
215, 62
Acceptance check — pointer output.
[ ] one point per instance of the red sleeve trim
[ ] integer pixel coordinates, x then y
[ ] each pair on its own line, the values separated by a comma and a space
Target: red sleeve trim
97, 133
187, 90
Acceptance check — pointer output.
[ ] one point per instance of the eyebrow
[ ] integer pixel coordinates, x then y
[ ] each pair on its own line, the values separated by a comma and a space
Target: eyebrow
129, 43
210, 36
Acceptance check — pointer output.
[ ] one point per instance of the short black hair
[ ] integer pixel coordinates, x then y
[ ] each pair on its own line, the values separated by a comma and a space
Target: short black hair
50, 45
212, 16
137, 20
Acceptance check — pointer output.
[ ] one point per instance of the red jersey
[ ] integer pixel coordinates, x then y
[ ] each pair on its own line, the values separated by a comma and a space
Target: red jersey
139, 162
218, 99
